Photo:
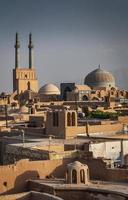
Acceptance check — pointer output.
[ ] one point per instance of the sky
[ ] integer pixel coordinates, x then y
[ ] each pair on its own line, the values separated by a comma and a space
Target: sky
71, 38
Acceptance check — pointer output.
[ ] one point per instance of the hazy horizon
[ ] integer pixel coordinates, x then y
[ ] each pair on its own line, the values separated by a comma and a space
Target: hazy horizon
71, 38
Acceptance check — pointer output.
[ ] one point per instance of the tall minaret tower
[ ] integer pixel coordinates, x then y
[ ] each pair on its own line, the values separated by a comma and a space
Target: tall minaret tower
17, 56
30, 46
24, 78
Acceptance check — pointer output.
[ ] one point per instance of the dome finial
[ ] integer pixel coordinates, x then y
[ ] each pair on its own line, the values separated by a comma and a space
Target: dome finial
99, 66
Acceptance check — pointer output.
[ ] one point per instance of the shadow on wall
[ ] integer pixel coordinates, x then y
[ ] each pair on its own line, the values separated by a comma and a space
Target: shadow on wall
20, 184
60, 171
24, 197
37, 195
16, 181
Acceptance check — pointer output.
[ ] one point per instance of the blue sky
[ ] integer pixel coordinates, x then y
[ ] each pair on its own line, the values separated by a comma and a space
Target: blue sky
71, 38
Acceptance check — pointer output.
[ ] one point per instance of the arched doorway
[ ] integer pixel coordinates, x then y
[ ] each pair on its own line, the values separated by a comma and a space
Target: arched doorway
74, 176
69, 119
66, 90
85, 98
73, 119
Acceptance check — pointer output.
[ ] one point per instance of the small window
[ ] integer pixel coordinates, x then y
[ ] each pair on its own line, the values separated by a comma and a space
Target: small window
28, 84
73, 119
85, 98
5, 183
55, 119
26, 76
69, 118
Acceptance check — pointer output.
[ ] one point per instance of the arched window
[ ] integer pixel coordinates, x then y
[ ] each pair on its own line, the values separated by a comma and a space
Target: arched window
73, 118
85, 98
82, 176
113, 89
66, 90
55, 119
121, 93
74, 176
25, 76
69, 117
28, 84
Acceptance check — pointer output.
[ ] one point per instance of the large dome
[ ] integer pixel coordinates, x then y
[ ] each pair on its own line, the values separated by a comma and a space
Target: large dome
100, 78
49, 89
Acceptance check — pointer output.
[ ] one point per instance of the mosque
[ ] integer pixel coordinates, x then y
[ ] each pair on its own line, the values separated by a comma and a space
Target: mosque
52, 152
99, 85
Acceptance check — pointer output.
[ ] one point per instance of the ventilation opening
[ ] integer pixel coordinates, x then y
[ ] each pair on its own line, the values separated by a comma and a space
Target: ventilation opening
5, 183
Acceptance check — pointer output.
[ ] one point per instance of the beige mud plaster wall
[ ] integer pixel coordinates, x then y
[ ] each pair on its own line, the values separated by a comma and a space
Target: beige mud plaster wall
98, 170
123, 119
105, 128
13, 177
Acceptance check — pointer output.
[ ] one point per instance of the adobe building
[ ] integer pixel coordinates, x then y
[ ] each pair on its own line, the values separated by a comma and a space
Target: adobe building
61, 123
64, 123
99, 85
77, 185
67, 179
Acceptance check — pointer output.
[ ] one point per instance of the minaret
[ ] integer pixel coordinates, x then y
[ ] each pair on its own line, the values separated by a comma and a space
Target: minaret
17, 57
30, 46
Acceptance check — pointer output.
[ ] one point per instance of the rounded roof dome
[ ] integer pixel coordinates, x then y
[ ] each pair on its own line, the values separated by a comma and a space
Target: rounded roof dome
100, 78
49, 89
76, 164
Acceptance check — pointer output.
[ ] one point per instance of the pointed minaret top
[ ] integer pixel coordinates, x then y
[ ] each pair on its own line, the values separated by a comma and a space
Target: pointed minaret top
17, 43
16, 36
30, 46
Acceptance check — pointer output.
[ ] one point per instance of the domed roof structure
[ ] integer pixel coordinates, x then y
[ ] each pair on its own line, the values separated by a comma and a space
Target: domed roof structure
77, 173
100, 78
49, 89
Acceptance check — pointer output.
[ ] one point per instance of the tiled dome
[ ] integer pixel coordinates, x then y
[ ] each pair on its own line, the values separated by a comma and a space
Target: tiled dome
99, 78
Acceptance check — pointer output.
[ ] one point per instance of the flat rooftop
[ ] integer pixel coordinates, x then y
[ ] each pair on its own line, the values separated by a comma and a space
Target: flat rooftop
58, 184
32, 141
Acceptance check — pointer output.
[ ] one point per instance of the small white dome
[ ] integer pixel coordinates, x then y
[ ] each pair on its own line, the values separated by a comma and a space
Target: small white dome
49, 89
